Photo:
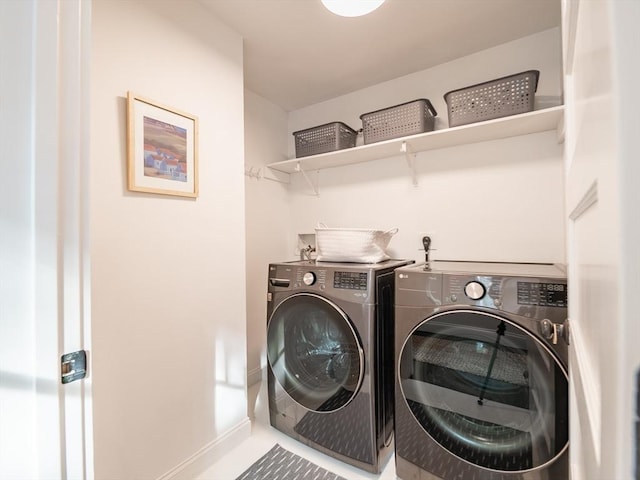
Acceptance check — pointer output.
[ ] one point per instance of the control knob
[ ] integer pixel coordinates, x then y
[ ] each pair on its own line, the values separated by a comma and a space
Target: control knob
474, 290
309, 278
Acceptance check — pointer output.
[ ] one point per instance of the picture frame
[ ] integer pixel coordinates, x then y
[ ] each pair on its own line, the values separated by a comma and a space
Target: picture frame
162, 148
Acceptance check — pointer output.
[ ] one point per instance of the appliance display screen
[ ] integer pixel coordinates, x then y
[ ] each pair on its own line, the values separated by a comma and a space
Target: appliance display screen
350, 280
542, 294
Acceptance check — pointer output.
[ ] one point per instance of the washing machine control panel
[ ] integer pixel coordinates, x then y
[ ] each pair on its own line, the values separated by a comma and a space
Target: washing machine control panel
350, 280
343, 280
305, 277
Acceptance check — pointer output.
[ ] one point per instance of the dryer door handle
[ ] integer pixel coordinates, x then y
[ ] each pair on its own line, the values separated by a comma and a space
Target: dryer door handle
565, 331
551, 331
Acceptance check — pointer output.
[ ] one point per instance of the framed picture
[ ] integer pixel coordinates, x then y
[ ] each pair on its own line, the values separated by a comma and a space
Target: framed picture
162, 148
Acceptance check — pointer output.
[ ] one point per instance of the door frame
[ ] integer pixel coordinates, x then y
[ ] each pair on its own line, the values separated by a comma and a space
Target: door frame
44, 58
603, 231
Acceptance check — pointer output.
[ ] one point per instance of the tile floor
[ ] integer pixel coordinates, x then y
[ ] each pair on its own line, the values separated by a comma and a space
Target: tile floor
263, 437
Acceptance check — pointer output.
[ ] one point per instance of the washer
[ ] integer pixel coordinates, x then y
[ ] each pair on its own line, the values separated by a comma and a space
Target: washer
330, 357
482, 382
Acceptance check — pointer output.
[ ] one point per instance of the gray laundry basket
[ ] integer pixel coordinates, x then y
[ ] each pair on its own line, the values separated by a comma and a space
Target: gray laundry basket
324, 138
494, 99
410, 118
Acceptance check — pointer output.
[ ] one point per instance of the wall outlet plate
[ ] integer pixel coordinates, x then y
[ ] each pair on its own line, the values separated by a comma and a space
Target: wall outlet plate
305, 241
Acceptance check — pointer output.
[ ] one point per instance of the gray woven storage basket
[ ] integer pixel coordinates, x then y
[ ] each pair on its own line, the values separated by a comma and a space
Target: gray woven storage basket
494, 99
410, 118
324, 138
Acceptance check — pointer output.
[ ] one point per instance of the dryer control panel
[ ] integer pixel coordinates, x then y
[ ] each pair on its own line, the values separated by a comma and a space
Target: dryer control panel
530, 297
472, 290
542, 294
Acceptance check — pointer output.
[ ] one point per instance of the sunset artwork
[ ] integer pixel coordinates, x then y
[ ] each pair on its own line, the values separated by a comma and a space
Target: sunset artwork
165, 150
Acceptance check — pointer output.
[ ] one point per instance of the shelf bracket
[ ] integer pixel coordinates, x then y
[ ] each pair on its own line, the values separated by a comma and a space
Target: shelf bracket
276, 175
410, 155
306, 177
252, 172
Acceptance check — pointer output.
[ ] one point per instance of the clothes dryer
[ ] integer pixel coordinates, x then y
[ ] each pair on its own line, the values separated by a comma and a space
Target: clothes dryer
482, 382
330, 357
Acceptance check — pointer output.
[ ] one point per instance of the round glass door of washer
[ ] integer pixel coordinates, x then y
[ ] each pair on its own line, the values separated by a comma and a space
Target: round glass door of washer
314, 352
486, 390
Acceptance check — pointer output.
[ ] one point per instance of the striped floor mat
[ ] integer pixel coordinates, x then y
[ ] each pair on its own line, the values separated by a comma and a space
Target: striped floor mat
281, 464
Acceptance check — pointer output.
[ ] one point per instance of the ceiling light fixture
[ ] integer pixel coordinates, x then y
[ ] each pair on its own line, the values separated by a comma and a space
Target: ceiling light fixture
352, 8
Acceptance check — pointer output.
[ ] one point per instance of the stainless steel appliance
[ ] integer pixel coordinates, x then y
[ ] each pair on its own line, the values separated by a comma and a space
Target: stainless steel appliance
330, 357
482, 383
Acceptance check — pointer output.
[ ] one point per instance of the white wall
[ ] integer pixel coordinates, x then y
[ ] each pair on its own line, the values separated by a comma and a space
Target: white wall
268, 216
498, 200
541, 51
168, 286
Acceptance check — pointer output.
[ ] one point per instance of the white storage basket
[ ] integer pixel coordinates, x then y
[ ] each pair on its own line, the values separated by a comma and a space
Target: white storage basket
358, 245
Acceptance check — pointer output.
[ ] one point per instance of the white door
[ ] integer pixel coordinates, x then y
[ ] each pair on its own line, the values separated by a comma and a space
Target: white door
45, 426
602, 43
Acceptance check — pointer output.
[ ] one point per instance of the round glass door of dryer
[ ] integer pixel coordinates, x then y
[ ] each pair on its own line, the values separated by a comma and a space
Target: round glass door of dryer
314, 352
486, 390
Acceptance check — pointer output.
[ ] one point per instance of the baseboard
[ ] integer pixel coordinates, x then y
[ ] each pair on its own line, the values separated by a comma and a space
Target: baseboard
199, 462
254, 376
